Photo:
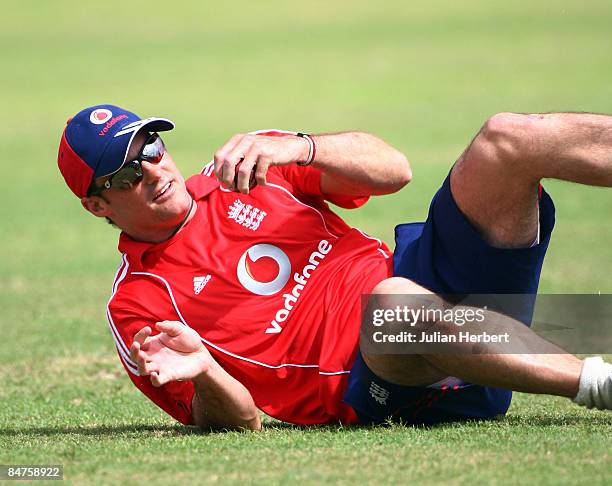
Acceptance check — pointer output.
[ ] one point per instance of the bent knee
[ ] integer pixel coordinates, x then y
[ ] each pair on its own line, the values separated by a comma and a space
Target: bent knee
502, 141
396, 294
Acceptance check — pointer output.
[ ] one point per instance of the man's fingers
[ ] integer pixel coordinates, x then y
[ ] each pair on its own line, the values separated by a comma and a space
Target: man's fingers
263, 164
149, 367
145, 365
228, 158
171, 328
141, 361
159, 378
141, 341
246, 148
234, 158
244, 172
134, 349
221, 154
146, 346
228, 173
142, 335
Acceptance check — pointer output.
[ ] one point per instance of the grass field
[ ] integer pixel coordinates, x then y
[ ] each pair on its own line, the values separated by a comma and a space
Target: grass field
423, 76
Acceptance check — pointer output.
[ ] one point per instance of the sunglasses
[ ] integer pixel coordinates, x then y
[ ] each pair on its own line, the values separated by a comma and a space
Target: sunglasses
130, 173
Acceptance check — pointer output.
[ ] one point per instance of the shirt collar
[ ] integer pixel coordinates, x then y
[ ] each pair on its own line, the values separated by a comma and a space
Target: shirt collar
199, 186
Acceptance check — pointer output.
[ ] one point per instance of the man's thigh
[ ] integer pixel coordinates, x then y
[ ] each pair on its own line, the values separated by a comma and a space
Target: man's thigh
499, 197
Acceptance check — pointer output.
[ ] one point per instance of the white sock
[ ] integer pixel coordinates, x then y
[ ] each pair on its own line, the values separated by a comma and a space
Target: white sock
595, 389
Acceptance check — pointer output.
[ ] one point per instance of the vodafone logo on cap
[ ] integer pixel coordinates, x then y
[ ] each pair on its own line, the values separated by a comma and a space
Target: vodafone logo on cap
264, 269
100, 116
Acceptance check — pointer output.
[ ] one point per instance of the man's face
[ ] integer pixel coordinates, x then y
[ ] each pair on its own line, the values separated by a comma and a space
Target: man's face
152, 208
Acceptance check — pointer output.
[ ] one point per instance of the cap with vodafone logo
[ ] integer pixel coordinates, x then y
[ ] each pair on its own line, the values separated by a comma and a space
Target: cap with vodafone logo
96, 141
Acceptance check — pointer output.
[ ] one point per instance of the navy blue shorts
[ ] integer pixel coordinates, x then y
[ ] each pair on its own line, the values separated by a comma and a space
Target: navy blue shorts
447, 255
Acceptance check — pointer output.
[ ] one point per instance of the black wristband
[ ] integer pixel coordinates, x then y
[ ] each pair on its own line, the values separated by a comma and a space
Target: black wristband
312, 150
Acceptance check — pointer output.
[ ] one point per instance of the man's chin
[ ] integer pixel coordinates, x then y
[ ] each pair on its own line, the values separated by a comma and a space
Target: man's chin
176, 214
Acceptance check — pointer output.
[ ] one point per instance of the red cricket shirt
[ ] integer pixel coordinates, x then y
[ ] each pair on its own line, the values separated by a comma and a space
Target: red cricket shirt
271, 281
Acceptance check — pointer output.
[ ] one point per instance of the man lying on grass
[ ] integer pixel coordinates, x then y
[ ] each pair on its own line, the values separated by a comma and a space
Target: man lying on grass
240, 289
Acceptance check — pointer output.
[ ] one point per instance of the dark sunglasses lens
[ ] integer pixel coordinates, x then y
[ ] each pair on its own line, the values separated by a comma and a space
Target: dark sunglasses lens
154, 150
127, 176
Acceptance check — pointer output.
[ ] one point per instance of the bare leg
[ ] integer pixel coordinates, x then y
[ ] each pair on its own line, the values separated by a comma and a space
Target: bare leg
551, 374
495, 184
495, 181
554, 374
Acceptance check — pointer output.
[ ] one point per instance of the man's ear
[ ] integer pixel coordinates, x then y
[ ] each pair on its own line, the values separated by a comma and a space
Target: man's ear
97, 206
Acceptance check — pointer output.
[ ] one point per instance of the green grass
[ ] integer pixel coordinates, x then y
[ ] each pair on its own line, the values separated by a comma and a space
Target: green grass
424, 76
80, 411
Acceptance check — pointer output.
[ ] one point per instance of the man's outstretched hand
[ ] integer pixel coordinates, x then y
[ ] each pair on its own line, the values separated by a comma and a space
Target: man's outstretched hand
176, 353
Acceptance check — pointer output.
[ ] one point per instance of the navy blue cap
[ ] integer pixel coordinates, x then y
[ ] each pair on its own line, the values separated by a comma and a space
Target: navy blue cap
96, 141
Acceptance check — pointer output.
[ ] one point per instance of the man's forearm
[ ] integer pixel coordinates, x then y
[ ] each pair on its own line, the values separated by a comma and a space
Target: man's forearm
356, 163
352, 163
220, 401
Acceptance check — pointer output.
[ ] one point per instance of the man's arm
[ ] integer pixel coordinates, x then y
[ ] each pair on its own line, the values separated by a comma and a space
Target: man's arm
352, 163
221, 401
177, 353
359, 164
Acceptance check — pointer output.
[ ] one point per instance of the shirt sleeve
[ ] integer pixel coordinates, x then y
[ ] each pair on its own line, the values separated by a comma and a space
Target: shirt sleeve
174, 398
306, 181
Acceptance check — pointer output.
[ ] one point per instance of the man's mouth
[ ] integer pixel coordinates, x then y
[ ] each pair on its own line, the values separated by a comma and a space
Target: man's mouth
162, 191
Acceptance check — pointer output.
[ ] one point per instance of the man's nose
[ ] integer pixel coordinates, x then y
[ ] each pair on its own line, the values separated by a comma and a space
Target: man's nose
151, 172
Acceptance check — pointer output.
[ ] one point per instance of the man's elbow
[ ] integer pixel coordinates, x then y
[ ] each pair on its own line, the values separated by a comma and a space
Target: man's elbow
406, 171
402, 173
247, 419
254, 423
246, 423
